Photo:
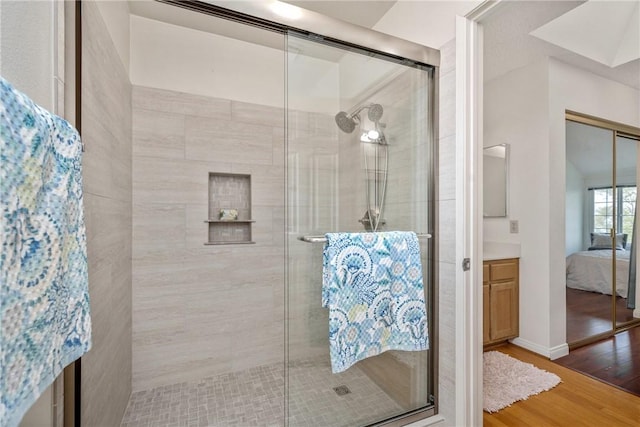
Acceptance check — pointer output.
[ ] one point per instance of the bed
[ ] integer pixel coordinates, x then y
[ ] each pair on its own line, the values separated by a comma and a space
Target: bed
591, 271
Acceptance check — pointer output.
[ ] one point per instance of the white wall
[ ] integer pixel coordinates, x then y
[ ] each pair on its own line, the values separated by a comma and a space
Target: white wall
170, 57
575, 210
516, 113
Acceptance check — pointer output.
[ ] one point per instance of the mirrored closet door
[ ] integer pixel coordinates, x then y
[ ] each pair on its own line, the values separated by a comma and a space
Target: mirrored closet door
601, 177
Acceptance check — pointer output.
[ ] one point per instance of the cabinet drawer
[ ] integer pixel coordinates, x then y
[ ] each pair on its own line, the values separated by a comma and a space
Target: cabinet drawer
485, 273
504, 271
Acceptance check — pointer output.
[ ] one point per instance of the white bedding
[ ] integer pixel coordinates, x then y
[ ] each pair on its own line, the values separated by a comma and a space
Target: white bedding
591, 271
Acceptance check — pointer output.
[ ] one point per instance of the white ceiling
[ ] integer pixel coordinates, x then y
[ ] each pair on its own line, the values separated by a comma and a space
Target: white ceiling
508, 44
363, 12
607, 32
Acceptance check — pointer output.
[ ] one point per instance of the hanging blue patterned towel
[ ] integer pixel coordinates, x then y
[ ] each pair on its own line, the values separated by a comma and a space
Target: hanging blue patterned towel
372, 286
44, 300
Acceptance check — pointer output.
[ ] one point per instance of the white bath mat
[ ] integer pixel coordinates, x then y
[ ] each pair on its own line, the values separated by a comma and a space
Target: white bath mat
508, 380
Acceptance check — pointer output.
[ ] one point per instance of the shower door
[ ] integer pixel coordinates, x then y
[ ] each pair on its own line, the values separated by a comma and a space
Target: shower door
360, 157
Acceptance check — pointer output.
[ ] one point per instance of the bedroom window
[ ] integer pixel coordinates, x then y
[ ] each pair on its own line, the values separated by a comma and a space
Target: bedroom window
625, 210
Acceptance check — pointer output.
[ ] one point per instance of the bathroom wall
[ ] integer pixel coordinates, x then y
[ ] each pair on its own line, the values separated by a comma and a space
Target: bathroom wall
448, 225
516, 113
106, 132
201, 310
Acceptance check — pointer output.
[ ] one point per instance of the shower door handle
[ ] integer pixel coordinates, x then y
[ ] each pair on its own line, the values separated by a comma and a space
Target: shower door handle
323, 239
313, 239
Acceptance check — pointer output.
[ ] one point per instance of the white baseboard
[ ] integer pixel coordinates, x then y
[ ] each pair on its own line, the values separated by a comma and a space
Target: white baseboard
636, 312
520, 342
550, 352
558, 351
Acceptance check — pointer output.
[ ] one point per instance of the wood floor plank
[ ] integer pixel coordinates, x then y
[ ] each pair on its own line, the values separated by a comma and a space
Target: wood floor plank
615, 360
577, 401
589, 313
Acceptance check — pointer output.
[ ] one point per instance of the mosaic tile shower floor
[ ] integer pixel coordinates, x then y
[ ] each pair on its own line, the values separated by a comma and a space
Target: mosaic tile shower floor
255, 397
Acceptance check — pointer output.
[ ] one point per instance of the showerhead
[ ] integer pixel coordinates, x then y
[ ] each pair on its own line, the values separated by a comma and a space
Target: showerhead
345, 123
375, 112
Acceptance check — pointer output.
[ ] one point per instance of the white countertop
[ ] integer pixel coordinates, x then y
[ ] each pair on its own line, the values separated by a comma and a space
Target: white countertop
499, 250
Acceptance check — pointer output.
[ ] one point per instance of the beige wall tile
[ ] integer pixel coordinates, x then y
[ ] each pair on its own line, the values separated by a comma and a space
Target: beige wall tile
158, 134
227, 141
185, 292
158, 227
447, 237
168, 181
106, 131
447, 168
243, 112
169, 101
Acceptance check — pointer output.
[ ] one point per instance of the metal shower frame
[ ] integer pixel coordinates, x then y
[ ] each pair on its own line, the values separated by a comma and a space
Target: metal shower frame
323, 29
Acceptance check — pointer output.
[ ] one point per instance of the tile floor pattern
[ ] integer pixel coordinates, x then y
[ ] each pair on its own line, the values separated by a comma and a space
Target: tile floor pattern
255, 397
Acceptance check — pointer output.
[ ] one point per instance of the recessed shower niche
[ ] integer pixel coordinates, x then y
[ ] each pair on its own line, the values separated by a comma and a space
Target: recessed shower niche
229, 219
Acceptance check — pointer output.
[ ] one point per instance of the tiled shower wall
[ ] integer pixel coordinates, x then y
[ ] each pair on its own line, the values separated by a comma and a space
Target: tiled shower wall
447, 229
203, 310
106, 133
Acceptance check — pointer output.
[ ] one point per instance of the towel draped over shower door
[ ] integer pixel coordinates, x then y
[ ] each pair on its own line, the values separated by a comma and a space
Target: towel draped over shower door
373, 288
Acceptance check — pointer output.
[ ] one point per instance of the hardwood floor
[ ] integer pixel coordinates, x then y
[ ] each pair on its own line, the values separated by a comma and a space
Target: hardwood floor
577, 401
589, 313
615, 360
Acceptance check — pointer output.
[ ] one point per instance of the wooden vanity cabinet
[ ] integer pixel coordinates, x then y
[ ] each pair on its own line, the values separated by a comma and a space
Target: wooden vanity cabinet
500, 300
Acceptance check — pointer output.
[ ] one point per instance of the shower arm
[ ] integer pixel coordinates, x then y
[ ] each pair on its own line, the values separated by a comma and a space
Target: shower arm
359, 110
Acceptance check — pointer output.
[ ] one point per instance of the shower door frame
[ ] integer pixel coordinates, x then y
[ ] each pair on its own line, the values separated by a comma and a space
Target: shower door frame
431, 407
353, 37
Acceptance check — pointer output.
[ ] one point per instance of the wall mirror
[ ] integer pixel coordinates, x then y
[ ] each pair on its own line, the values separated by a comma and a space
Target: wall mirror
495, 179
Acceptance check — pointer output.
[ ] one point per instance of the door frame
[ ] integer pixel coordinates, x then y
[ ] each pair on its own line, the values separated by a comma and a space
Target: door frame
469, 140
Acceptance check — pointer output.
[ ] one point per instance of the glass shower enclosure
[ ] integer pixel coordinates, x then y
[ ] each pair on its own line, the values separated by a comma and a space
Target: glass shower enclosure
359, 157
305, 134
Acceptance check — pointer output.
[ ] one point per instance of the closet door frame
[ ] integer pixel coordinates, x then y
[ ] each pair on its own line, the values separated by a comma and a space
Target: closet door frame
618, 130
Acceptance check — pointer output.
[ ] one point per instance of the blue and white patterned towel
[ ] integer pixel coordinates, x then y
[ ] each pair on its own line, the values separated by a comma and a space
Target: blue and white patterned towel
44, 301
372, 285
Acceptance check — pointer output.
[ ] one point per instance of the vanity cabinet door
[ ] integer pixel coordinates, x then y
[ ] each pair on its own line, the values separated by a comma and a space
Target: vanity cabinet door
500, 300
504, 310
